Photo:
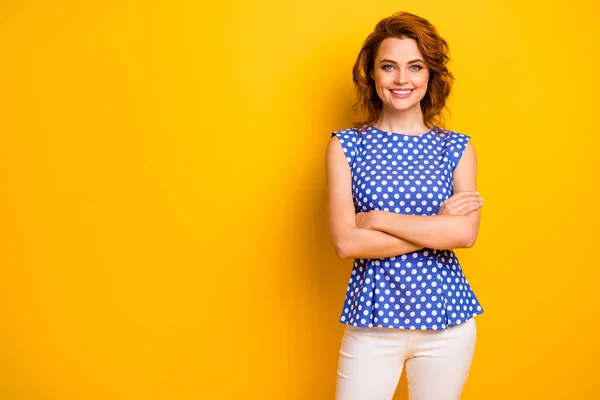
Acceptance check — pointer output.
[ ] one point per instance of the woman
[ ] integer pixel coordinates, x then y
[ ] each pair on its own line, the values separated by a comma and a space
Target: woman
402, 195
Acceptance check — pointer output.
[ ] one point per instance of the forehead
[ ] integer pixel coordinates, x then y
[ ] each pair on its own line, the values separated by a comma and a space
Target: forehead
398, 49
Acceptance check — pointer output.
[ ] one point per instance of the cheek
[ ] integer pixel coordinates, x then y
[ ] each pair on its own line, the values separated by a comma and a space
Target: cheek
424, 79
380, 81
380, 87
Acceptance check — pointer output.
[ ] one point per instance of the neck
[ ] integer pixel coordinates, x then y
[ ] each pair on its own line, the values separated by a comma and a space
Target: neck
408, 122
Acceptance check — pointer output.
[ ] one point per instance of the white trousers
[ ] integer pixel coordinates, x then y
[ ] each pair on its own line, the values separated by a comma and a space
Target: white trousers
437, 362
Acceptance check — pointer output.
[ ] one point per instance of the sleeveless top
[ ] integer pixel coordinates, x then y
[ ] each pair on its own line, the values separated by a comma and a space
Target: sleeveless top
406, 174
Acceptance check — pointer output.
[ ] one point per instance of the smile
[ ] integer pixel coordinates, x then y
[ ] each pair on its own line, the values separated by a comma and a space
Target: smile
402, 94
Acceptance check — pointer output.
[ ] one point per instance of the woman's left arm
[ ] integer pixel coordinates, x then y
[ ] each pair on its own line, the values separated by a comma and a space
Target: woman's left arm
436, 231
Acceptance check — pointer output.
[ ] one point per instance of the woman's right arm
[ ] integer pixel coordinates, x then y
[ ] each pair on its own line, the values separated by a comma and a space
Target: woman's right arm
350, 241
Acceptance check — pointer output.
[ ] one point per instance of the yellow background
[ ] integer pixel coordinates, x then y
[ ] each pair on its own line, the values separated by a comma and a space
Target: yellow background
163, 221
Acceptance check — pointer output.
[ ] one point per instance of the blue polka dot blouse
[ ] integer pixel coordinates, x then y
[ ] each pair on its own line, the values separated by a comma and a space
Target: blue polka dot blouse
407, 174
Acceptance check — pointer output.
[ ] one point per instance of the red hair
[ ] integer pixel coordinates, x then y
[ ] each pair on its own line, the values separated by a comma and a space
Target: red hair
435, 52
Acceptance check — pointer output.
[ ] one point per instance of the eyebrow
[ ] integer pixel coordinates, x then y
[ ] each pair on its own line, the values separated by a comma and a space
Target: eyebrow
394, 62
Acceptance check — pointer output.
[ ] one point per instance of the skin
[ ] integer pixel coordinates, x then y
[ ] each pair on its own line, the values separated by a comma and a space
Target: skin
396, 67
378, 234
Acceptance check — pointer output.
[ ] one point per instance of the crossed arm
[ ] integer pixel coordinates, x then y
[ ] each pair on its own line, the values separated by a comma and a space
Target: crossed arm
378, 234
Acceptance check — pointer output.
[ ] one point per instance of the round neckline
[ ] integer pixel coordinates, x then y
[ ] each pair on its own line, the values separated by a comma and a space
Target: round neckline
400, 134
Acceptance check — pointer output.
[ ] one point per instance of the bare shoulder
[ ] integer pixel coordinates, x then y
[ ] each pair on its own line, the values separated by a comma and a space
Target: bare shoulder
343, 144
469, 152
334, 148
464, 175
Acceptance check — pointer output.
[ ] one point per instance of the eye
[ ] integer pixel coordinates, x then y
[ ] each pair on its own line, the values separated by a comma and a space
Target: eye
385, 67
416, 67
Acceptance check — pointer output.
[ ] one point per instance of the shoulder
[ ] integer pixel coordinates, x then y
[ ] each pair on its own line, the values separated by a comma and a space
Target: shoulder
457, 145
454, 137
455, 141
346, 134
347, 139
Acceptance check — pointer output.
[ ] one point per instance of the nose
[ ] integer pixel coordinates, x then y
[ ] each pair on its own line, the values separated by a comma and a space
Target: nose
400, 78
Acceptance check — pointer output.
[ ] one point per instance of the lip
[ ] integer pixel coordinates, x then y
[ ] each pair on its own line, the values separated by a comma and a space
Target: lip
402, 96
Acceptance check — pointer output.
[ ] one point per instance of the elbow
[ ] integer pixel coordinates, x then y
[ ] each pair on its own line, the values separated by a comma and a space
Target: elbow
468, 243
342, 248
469, 238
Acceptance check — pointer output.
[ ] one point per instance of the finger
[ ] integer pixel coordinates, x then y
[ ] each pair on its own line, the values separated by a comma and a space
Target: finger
471, 208
461, 195
468, 207
465, 201
468, 210
457, 196
462, 201
476, 202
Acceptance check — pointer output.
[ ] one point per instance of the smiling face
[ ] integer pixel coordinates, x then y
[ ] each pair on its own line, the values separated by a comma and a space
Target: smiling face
400, 75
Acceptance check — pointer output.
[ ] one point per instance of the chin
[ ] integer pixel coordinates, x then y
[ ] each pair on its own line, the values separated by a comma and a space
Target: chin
400, 107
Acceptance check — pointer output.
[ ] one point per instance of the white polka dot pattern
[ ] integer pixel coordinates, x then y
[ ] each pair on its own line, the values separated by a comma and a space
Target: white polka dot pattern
406, 174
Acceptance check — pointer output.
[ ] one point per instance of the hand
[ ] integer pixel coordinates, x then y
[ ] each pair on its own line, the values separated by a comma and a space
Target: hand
462, 203
364, 220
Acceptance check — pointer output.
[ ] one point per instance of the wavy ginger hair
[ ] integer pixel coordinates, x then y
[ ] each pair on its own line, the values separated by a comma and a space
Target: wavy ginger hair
435, 52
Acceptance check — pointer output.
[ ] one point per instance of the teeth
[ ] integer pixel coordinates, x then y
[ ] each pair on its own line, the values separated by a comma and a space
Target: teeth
402, 91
